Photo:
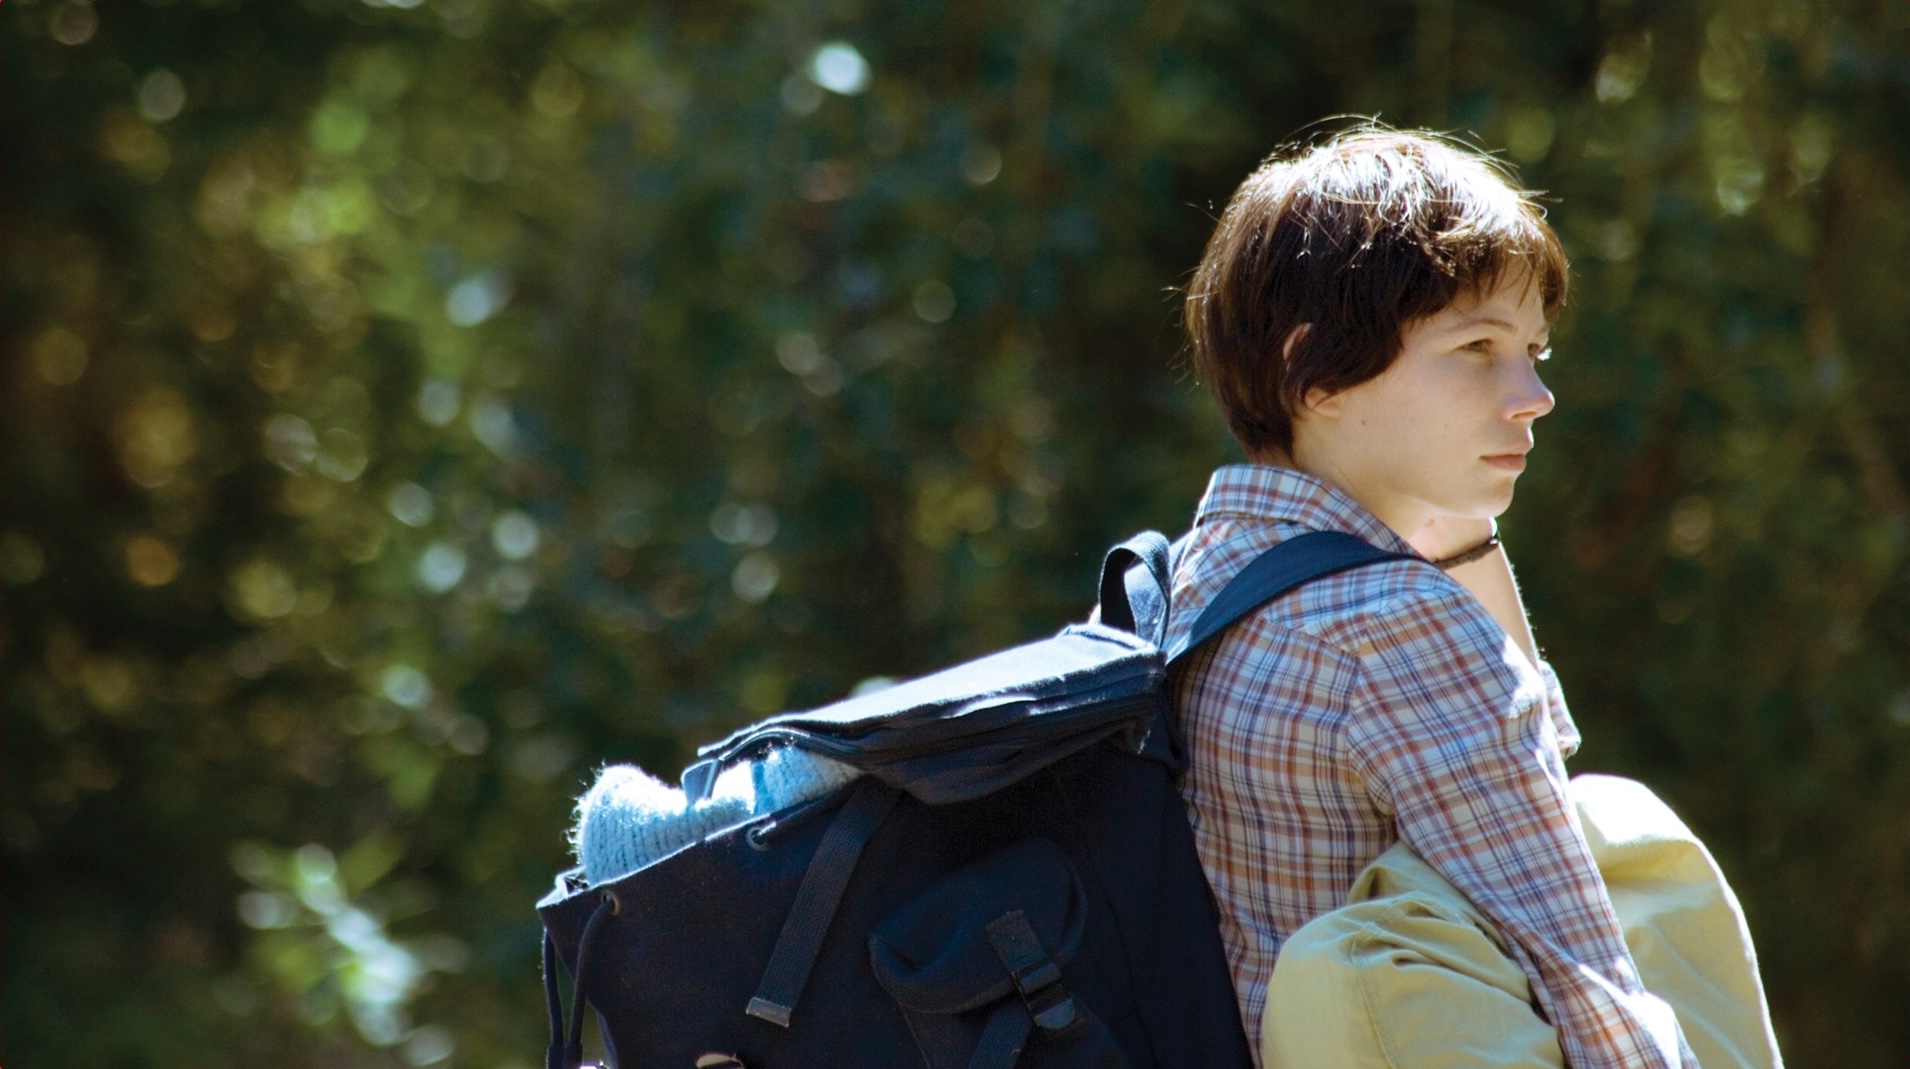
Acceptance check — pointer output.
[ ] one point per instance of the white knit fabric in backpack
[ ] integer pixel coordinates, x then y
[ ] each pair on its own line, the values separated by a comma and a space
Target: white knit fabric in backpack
629, 818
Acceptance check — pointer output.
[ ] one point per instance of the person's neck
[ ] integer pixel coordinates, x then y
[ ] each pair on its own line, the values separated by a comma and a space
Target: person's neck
1402, 520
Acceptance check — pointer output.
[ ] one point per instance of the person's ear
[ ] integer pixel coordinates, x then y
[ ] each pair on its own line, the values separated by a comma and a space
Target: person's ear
1321, 402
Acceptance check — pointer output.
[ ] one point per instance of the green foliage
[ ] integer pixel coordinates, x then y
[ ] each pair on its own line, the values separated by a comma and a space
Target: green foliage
411, 406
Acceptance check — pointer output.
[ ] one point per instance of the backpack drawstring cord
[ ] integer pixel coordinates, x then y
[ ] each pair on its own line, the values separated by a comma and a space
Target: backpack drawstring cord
566, 1049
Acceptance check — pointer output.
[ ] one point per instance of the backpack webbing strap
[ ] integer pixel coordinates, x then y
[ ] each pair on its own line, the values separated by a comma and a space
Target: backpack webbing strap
1293, 563
1003, 1037
821, 892
1149, 549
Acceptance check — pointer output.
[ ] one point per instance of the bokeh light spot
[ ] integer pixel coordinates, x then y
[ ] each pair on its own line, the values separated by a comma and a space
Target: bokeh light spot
974, 238
439, 401
798, 353
338, 127
511, 586
60, 356
74, 23
135, 145
468, 736
110, 686
315, 864
558, 91
839, 68
1692, 520
1623, 71
441, 567
150, 561
155, 437
477, 298
429, 1045
162, 96
290, 442
801, 96
411, 504
1813, 140
755, 577
342, 455
744, 525
1739, 182
1529, 133
828, 180
262, 590
514, 535
493, 425
629, 526
934, 302
1617, 241
981, 164
267, 909
405, 686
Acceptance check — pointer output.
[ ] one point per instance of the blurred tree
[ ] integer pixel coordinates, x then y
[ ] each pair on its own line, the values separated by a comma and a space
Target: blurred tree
412, 405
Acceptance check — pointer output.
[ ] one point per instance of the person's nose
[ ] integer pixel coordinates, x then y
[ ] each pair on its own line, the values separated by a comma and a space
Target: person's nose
1529, 399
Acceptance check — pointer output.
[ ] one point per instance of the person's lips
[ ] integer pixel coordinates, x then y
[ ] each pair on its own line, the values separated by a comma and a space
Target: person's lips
1513, 462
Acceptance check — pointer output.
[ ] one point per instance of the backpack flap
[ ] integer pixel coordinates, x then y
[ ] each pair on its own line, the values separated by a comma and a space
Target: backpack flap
977, 964
971, 730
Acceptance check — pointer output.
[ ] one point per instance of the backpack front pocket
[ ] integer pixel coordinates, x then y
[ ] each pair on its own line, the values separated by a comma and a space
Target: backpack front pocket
977, 962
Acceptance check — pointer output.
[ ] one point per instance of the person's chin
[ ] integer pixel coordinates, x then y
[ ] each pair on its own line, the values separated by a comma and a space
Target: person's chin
1501, 485
1500, 503
1488, 504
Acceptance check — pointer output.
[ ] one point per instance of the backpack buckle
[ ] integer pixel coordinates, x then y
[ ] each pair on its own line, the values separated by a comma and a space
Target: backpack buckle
1036, 976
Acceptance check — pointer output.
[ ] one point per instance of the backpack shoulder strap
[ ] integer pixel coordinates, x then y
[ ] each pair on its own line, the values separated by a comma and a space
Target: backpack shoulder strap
1291, 564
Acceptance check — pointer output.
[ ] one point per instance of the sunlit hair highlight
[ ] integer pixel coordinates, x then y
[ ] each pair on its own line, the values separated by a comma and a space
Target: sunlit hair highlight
1356, 237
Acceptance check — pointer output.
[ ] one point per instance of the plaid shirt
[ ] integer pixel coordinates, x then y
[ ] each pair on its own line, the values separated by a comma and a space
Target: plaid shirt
1381, 704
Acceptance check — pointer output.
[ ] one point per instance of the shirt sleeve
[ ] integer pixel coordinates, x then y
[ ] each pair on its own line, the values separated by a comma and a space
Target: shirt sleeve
1458, 736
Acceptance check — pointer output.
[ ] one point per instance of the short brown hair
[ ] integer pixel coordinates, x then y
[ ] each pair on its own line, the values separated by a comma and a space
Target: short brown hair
1356, 237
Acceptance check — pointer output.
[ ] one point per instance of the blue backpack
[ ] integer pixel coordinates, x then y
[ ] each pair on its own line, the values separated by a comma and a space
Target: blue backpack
1007, 878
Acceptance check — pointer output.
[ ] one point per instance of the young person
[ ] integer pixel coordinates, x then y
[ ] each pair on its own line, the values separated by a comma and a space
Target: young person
1371, 315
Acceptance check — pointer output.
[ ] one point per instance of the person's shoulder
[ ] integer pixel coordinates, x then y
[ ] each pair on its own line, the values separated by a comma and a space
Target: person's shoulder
1371, 610
1350, 612
1423, 641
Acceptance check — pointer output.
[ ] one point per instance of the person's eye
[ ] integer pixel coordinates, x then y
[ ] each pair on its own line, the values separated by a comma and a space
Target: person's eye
1480, 345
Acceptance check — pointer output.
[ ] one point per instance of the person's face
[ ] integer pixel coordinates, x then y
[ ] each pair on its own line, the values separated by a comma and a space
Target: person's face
1445, 430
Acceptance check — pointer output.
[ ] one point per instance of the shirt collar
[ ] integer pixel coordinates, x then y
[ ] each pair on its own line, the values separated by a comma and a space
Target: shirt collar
1283, 495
